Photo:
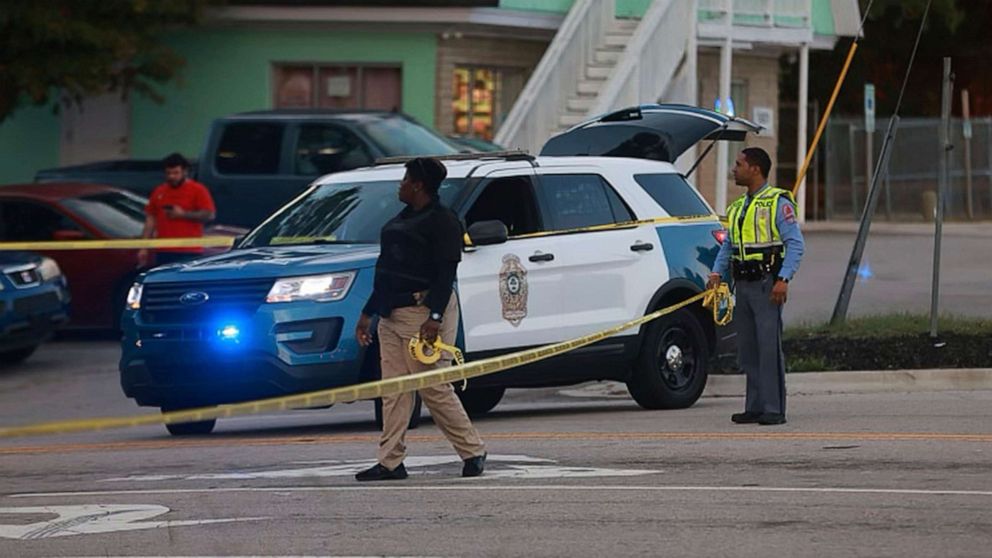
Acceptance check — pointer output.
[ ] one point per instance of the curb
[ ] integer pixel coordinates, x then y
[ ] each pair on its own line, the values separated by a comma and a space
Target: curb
825, 383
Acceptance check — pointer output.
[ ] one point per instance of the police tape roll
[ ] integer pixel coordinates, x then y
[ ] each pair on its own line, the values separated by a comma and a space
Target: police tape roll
122, 244
716, 298
430, 353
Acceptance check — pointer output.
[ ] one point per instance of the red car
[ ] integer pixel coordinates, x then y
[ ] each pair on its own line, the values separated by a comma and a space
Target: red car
98, 279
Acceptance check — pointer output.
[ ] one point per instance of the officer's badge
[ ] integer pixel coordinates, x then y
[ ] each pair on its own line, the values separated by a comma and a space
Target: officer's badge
513, 290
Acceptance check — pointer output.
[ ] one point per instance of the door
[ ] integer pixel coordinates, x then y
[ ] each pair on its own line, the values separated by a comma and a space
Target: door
248, 180
607, 277
94, 130
509, 292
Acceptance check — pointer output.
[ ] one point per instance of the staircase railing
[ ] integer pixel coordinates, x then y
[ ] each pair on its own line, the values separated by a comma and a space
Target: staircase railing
652, 57
536, 112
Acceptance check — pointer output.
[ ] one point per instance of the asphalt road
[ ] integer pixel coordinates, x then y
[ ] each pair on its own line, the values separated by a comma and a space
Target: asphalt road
873, 475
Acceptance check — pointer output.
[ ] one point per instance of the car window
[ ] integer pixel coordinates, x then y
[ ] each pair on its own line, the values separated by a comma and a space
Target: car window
250, 148
673, 194
510, 200
117, 215
343, 213
27, 221
326, 148
581, 200
396, 135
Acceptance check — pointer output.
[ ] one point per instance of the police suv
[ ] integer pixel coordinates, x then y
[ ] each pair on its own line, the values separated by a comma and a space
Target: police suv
597, 230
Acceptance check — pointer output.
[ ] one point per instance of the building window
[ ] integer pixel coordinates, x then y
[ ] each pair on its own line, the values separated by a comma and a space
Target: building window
338, 86
481, 99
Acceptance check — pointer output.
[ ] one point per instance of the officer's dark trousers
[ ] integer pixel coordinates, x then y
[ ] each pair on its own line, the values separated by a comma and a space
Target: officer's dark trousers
759, 346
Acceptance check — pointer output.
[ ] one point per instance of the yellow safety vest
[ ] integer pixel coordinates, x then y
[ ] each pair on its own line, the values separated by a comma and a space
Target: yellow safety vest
756, 236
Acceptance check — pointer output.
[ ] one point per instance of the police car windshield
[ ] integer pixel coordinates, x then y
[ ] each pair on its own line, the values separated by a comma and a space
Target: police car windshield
345, 213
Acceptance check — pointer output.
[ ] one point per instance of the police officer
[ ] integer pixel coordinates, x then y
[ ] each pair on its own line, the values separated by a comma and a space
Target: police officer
763, 252
413, 295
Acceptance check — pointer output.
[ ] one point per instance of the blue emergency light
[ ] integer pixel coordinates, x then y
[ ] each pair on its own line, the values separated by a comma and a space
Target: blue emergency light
229, 332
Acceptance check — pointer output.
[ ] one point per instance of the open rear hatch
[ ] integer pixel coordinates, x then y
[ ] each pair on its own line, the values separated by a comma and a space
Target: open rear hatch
656, 132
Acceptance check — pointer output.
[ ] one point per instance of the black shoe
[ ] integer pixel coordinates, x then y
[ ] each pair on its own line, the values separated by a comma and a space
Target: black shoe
377, 473
771, 418
474, 466
745, 418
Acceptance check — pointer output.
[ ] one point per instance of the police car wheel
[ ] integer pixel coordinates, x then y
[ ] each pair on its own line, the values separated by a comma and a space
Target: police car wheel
414, 416
189, 428
17, 355
670, 372
479, 401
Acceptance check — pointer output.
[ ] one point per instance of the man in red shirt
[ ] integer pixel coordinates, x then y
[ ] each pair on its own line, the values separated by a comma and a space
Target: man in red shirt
177, 208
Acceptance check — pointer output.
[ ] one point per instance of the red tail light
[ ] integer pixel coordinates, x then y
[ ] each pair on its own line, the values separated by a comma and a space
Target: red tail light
720, 235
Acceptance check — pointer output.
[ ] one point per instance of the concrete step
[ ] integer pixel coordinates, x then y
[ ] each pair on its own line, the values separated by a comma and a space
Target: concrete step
590, 86
595, 71
581, 103
607, 56
569, 119
626, 24
616, 39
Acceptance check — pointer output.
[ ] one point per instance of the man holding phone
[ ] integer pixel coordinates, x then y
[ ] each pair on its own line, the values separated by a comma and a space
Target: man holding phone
177, 208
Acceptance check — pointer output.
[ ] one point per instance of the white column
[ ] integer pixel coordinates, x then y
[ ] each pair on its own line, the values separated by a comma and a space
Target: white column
726, 62
801, 136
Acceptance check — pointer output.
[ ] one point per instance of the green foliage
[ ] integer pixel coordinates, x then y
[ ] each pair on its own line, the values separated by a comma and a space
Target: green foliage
814, 363
69, 49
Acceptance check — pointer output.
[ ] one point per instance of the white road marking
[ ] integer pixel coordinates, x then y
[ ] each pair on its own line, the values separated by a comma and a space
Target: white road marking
332, 469
95, 519
470, 485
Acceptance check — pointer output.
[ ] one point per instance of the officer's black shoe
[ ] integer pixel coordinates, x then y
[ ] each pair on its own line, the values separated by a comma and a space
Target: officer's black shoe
745, 418
768, 419
377, 473
474, 466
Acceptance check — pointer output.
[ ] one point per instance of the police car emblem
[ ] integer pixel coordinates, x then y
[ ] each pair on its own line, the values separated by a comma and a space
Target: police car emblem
513, 290
194, 297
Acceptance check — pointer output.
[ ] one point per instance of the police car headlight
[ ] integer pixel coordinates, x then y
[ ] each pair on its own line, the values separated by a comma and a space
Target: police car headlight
319, 288
134, 297
49, 270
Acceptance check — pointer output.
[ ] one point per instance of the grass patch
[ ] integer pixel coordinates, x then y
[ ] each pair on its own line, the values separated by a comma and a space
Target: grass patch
893, 325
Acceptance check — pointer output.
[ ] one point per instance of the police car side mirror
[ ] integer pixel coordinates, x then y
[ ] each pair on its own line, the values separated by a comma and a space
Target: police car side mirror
485, 233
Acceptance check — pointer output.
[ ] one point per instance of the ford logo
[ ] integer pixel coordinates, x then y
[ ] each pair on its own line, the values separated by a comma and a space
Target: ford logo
193, 298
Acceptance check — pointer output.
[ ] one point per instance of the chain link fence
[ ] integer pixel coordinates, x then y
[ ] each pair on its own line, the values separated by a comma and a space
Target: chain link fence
909, 186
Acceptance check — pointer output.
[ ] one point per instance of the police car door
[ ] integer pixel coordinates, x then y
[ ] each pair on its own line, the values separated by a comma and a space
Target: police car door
606, 276
509, 292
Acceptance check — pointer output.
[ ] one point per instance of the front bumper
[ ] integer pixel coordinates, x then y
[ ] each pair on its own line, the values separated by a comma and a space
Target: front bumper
29, 317
280, 349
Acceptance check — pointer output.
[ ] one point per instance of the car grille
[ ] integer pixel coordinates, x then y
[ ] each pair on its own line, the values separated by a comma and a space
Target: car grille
23, 277
37, 304
162, 302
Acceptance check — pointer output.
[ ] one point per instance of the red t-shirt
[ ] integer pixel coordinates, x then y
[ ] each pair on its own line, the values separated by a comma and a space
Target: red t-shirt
190, 196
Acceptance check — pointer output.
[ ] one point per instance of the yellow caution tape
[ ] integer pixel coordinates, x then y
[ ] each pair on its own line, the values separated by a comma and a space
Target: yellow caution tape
392, 386
122, 244
621, 225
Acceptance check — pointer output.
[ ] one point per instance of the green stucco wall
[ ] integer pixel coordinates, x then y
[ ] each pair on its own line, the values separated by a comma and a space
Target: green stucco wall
625, 8
230, 70
29, 141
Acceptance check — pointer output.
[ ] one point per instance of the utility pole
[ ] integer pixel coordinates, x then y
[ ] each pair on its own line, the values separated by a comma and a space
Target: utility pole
942, 179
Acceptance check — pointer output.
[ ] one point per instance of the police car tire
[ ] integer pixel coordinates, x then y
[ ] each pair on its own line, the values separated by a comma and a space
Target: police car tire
17, 355
189, 428
479, 401
414, 416
647, 386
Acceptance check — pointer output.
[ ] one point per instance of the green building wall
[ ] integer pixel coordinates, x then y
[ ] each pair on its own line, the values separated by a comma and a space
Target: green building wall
230, 70
29, 141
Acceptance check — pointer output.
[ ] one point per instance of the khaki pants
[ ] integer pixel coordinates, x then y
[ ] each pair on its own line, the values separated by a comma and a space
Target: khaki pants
449, 415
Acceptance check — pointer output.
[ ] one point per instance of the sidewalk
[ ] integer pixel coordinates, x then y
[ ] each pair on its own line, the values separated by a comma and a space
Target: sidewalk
825, 383
880, 226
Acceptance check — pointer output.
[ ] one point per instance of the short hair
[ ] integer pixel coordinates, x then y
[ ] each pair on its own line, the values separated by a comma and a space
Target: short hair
428, 171
175, 160
757, 156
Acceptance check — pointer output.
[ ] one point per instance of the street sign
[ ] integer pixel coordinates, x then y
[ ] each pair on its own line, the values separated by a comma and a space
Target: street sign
870, 108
